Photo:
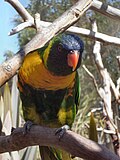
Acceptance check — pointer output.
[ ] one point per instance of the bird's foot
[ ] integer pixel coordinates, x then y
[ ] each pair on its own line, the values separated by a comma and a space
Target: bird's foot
61, 131
27, 127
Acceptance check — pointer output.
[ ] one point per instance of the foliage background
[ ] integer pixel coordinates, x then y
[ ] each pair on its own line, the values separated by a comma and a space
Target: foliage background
10, 104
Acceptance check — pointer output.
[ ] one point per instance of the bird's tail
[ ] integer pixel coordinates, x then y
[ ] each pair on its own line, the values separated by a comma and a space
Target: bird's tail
49, 153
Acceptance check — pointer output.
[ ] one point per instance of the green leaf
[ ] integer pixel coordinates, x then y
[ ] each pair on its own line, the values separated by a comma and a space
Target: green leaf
1, 109
92, 130
7, 100
66, 155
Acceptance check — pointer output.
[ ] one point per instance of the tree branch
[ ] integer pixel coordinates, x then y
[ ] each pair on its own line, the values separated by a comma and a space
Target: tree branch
20, 27
98, 6
29, 22
106, 10
21, 10
108, 40
71, 142
106, 94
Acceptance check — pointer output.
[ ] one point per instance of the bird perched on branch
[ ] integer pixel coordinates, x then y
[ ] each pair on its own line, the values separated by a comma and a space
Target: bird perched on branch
49, 86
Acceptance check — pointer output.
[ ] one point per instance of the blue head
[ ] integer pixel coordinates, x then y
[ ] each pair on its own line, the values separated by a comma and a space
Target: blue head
65, 54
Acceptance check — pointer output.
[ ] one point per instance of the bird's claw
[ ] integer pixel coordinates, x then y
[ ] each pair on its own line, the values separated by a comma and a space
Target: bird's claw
12, 129
27, 127
61, 131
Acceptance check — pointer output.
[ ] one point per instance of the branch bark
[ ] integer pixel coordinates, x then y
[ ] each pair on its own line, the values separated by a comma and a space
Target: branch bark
71, 16
106, 10
71, 142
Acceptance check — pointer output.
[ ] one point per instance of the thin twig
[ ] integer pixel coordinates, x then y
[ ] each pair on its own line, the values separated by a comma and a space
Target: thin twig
92, 77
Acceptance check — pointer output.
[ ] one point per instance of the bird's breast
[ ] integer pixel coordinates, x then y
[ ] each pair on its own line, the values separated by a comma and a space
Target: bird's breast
34, 73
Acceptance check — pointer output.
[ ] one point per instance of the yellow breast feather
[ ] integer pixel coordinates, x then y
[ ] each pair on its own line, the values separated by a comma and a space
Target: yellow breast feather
34, 73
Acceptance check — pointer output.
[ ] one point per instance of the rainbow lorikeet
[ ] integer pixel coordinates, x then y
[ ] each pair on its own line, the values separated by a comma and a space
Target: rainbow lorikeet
49, 84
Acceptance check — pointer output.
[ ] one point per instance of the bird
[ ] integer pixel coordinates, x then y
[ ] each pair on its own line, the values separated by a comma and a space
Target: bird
49, 85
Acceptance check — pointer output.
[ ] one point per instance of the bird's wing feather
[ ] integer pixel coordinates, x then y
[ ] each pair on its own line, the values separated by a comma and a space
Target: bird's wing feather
77, 89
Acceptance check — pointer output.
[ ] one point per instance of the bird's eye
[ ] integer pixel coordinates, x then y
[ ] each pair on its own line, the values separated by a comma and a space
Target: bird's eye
60, 47
71, 51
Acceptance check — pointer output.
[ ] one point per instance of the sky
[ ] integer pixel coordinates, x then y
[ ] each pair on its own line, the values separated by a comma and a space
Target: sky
7, 14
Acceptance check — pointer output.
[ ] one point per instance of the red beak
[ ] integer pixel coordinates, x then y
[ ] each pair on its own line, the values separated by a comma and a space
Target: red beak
72, 59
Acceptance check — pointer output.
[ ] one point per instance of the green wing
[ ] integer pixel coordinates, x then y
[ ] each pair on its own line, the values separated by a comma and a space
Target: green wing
68, 109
